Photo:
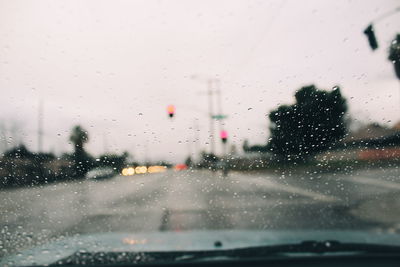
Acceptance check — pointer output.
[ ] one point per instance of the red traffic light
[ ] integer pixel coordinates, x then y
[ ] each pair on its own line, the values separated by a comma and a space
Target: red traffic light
224, 136
171, 110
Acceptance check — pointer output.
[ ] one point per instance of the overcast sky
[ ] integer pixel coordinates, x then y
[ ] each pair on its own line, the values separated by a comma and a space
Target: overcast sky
114, 66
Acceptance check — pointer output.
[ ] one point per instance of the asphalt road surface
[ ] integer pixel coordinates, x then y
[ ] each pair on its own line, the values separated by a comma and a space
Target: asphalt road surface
200, 200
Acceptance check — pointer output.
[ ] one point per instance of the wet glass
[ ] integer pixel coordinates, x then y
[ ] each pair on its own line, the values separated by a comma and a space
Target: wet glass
172, 125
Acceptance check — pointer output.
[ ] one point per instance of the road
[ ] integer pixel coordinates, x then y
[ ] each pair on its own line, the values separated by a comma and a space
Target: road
199, 200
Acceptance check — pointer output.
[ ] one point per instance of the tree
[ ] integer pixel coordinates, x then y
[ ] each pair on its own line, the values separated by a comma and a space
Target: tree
313, 124
189, 161
246, 145
19, 152
208, 160
394, 54
118, 162
78, 138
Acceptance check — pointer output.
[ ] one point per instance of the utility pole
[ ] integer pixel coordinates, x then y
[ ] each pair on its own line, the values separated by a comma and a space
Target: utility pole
40, 127
211, 114
105, 143
3, 137
196, 138
213, 89
189, 149
146, 153
220, 117
219, 103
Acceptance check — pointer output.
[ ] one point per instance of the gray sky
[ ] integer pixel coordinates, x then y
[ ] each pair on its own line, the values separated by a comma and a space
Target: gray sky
114, 66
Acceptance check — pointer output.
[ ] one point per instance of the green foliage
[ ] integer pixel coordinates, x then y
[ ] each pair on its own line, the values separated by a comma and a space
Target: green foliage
311, 125
83, 161
394, 54
19, 152
78, 137
189, 161
118, 162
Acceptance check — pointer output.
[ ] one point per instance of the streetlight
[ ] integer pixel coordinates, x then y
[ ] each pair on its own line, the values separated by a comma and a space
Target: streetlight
394, 52
370, 32
171, 111
224, 136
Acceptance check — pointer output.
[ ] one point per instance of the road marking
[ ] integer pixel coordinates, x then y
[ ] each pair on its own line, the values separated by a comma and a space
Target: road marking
307, 193
290, 189
375, 182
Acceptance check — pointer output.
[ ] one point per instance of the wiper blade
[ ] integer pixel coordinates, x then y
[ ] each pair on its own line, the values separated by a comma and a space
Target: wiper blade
318, 247
305, 247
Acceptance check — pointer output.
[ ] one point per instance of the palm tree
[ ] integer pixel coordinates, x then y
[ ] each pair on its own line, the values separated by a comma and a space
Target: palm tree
394, 54
78, 138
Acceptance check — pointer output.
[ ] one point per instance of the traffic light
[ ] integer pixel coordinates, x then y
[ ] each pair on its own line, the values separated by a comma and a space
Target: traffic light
171, 111
370, 33
224, 136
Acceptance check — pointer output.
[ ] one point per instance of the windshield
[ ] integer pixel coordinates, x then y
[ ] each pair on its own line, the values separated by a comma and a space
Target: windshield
197, 125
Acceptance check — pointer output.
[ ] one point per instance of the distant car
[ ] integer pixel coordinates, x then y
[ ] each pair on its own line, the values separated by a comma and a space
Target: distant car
100, 173
180, 167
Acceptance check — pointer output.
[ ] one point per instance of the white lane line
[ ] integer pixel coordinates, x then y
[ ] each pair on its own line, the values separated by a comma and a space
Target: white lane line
307, 193
288, 188
375, 182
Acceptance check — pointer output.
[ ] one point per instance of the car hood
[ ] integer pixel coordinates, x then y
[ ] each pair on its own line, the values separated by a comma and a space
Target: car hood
183, 241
